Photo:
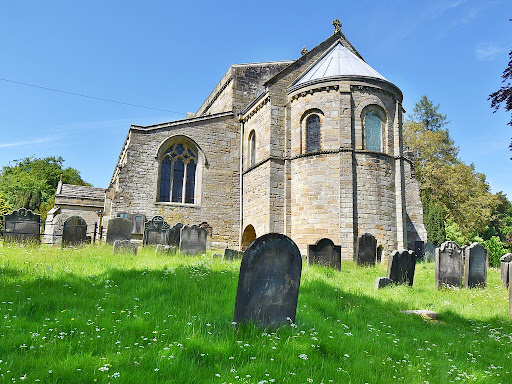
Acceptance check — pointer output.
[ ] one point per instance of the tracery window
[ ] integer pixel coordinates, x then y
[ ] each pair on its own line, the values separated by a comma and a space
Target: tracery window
252, 149
178, 174
313, 135
373, 132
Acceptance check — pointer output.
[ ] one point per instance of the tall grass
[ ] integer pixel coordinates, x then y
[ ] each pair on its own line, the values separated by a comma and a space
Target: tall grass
85, 315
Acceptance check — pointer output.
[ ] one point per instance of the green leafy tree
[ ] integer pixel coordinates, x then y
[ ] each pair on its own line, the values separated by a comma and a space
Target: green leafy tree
495, 250
428, 114
29, 182
434, 222
453, 233
4, 209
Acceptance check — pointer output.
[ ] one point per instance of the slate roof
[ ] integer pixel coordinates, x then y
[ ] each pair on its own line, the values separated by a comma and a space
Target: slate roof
338, 61
82, 192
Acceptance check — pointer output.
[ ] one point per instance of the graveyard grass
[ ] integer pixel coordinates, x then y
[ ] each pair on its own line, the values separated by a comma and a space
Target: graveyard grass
85, 315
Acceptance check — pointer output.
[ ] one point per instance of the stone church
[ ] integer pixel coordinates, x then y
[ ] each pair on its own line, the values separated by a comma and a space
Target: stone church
311, 148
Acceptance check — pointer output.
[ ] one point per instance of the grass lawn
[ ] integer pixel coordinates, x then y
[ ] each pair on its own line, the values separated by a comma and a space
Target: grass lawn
84, 315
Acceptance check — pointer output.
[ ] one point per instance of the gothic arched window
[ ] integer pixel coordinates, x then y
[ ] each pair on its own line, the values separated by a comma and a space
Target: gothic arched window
252, 148
313, 135
178, 174
373, 132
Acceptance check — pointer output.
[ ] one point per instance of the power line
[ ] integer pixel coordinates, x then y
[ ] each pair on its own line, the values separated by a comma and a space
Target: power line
90, 97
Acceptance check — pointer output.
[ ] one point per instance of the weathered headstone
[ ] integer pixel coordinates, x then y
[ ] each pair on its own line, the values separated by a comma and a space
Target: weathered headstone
22, 225
401, 267
418, 249
162, 248
125, 246
506, 261
230, 254
382, 282
74, 231
119, 228
429, 252
174, 235
475, 269
192, 240
449, 265
156, 231
136, 220
269, 281
366, 250
325, 253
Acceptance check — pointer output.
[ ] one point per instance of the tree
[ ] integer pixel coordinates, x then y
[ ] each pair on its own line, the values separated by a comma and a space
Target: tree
29, 182
433, 217
427, 113
4, 209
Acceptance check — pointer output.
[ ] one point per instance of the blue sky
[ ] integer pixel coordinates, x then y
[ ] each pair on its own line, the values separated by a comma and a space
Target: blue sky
169, 56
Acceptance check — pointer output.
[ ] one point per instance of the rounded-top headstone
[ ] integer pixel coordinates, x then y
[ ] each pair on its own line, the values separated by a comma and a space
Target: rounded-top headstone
268, 285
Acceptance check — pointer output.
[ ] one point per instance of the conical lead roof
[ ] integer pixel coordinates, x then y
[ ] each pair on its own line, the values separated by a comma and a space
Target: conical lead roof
339, 61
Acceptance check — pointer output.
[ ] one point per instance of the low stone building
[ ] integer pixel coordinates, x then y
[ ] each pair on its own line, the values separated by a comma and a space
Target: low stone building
311, 148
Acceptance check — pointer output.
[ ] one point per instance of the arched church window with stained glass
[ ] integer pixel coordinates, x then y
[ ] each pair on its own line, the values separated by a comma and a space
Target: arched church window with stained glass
178, 174
313, 134
252, 148
373, 132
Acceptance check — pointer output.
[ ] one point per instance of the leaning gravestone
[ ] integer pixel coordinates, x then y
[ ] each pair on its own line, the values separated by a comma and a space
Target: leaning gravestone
192, 240
449, 265
475, 269
174, 235
366, 250
506, 261
125, 246
74, 231
22, 225
119, 228
230, 254
269, 281
429, 252
156, 231
325, 253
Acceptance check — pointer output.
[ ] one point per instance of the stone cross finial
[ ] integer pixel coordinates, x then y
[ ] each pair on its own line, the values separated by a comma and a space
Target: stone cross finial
303, 51
337, 26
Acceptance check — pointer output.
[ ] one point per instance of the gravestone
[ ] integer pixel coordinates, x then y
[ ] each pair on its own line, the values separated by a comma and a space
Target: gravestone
74, 231
269, 281
382, 282
174, 235
162, 248
325, 253
401, 267
449, 265
366, 250
125, 246
418, 250
22, 225
156, 231
119, 228
136, 220
475, 269
429, 252
506, 262
230, 254
192, 240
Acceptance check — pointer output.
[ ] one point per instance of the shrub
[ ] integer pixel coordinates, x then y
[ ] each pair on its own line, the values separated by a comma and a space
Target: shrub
495, 249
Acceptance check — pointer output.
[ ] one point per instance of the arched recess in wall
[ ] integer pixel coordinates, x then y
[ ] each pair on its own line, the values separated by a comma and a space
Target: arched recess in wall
251, 147
373, 118
248, 236
311, 130
180, 171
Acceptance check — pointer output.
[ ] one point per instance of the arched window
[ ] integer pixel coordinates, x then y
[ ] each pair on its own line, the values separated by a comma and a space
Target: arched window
252, 148
178, 174
313, 138
373, 132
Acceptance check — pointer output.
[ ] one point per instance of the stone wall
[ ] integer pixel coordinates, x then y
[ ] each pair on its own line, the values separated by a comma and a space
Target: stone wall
415, 227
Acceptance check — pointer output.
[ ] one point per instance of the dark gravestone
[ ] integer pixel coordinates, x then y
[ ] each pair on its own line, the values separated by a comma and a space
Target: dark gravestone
74, 231
366, 250
449, 265
382, 282
136, 220
401, 267
119, 228
192, 240
325, 253
125, 246
230, 254
269, 281
506, 261
174, 235
475, 272
418, 250
22, 225
156, 231
429, 252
